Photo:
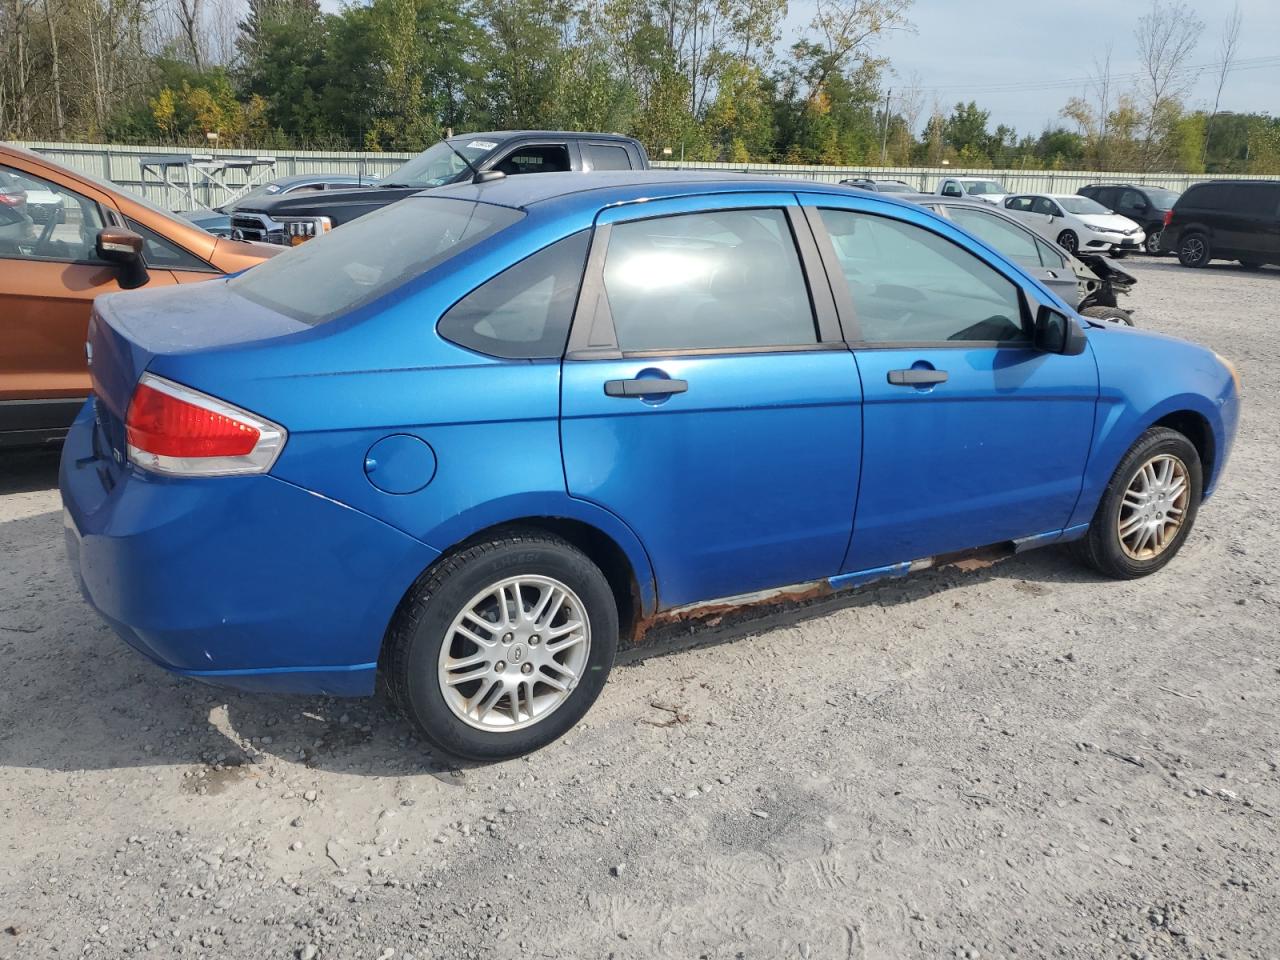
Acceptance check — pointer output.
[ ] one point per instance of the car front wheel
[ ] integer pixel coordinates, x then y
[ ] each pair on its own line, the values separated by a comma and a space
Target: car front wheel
1148, 508
1152, 243
1108, 315
1068, 241
502, 646
1193, 250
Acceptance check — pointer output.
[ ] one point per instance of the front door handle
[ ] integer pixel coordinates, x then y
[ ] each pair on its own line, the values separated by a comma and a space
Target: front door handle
916, 377
644, 387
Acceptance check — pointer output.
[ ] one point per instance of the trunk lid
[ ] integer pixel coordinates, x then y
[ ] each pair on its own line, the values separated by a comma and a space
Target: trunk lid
128, 331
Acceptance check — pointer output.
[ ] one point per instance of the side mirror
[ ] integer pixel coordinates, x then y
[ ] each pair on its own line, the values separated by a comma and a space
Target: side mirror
123, 248
1057, 333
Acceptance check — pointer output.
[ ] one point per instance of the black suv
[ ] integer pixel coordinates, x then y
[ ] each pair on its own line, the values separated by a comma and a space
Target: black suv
1145, 206
290, 220
1226, 220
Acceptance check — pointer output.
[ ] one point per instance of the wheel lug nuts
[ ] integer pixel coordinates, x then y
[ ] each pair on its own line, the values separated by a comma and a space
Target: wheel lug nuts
507, 637
527, 668
535, 640
500, 666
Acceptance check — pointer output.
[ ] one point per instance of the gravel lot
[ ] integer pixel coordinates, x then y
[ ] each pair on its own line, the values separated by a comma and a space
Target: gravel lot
1021, 760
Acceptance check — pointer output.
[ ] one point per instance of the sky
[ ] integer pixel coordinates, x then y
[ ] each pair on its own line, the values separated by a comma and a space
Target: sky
985, 50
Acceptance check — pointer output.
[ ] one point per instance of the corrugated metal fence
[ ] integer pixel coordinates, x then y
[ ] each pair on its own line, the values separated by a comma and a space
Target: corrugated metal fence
124, 165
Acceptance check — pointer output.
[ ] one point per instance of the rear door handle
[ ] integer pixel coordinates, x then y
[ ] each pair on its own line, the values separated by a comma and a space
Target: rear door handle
644, 387
916, 378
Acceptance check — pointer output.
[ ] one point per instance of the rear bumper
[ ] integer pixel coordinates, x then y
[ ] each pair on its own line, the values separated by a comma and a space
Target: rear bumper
248, 582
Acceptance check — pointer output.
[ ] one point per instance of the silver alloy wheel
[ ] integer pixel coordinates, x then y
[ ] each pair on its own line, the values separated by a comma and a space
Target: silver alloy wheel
514, 654
1154, 507
1152, 242
1193, 249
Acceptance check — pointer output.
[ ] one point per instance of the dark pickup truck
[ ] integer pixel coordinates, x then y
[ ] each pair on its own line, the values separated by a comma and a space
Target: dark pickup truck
290, 220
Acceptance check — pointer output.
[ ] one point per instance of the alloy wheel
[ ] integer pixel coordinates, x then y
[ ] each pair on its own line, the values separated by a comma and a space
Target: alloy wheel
1154, 507
514, 654
1152, 243
1192, 249
1067, 241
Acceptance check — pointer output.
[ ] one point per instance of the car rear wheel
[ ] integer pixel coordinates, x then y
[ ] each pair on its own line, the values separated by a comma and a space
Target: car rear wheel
1108, 315
1194, 250
1152, 243
501, 647
1148, 508
1068, 241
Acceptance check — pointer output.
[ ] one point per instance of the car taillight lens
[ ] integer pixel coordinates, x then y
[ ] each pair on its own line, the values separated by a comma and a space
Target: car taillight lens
13, 199
175, 430
1168, 217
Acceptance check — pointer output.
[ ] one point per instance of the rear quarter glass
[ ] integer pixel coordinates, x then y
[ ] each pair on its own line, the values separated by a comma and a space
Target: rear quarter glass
368, 258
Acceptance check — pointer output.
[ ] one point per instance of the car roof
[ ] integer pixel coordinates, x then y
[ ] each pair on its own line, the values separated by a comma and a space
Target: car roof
601, 189
557, 134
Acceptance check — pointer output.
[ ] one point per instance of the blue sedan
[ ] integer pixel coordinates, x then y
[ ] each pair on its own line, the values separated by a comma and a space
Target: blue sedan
473, 440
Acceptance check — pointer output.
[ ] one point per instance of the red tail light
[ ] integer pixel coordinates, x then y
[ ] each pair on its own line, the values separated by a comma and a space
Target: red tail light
1168, 217
13, 199
176, 430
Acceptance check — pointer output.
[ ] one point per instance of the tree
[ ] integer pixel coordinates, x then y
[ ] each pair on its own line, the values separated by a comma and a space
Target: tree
1227, 53
1167, 36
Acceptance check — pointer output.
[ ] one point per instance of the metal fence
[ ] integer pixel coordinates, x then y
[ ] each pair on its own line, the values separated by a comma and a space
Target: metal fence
123, 165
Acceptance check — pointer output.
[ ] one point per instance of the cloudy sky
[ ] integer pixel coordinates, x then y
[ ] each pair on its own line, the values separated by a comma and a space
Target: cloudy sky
1007, 54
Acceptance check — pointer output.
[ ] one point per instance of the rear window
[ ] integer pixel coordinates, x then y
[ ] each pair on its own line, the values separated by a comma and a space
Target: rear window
363, 260
605, 156
1206, 196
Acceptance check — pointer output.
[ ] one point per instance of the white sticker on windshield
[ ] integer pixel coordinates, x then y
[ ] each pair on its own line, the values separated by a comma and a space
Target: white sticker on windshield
482, 144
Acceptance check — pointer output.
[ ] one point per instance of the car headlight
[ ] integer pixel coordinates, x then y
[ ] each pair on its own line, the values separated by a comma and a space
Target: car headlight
301, 229
1231, 369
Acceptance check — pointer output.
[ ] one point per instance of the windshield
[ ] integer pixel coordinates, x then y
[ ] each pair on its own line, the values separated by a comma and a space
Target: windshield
441, 164
980, 187
360, 261
1081, 205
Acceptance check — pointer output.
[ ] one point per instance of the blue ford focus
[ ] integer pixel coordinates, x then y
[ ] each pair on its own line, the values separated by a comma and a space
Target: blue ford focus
474, 439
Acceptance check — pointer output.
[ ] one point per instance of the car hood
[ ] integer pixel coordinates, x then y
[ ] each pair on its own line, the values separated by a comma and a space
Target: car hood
987, 197
1108, 221
232, 256
341, 205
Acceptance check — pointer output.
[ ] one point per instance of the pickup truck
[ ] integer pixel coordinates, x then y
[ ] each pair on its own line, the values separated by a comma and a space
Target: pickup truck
972, 188
291, 220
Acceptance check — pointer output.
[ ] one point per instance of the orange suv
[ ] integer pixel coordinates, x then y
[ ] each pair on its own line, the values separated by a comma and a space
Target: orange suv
65, 238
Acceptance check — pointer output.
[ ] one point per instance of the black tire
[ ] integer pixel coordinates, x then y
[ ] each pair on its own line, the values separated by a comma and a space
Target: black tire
1118, 254
1101, 547
1069, 242
1194, 250
411, 651
1108, 315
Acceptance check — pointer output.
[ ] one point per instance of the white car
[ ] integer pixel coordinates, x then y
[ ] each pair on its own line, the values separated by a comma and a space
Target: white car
972, 188
1077, 224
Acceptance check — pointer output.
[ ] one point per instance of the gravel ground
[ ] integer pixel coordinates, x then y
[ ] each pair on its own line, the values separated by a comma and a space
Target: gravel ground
1021, 760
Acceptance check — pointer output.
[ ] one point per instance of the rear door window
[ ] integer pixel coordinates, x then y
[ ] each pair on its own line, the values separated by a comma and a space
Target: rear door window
539, 158
724, 279
607, 156
360, 261
524, 312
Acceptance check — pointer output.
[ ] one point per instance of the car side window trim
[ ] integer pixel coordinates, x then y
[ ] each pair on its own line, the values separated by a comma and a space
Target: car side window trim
594, 337
847, 311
